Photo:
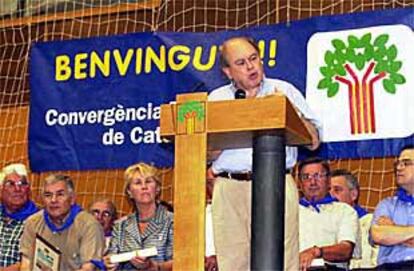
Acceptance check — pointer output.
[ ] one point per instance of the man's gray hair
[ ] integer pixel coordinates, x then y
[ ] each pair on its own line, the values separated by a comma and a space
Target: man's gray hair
55, 178
351, 180
18, 168
110, 203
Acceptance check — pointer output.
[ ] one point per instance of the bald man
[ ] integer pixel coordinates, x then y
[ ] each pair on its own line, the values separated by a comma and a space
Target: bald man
231, 206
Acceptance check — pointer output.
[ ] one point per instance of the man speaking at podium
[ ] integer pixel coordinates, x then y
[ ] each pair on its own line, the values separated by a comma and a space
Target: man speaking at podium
231, 207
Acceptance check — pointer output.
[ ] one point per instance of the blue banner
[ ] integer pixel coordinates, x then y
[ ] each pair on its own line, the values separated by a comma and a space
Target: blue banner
95, 103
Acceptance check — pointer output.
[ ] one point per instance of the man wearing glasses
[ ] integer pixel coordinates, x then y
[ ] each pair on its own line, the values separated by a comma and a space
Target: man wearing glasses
328, 229
393, 223
65, 226
15, 209
104, 210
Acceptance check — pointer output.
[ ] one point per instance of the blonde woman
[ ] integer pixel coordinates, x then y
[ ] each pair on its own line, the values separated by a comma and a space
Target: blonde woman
151, 225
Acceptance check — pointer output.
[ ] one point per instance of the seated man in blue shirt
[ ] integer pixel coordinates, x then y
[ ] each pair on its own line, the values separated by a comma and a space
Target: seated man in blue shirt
393, 223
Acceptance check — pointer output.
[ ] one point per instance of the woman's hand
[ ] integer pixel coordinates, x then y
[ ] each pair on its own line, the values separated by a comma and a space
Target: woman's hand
143, 263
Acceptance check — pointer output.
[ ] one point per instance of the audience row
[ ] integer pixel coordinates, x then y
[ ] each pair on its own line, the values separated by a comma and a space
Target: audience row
335, 232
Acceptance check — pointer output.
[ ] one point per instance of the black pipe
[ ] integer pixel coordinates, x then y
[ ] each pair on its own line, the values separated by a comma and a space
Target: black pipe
268, 202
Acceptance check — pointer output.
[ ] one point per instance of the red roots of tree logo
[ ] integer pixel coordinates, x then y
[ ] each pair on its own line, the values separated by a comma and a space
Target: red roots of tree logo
342, 65
361, 99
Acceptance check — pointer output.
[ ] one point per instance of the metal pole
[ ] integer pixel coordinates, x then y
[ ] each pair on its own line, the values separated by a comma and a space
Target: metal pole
268, 202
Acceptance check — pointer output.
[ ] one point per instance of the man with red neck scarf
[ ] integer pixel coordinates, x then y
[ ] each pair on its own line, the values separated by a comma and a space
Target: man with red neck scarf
15, 209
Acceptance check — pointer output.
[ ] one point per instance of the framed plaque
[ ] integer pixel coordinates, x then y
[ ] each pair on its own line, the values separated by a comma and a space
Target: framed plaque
46, 256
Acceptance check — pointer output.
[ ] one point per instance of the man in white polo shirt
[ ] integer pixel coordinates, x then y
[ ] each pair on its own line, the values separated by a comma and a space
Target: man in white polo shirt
328, 229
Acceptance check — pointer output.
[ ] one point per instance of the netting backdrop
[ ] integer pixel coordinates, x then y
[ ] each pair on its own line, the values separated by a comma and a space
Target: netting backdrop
23, 22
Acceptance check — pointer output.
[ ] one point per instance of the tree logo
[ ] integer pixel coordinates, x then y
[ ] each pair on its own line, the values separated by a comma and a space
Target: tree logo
358, 82
189, 112
361, 64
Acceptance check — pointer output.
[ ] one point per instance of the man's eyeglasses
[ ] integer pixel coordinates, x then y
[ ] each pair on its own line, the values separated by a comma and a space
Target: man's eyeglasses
20, 183
104, 214
403, 162
315, 176
60, 195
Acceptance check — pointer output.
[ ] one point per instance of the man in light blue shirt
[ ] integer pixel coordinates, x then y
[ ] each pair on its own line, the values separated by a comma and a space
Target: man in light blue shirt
393, 223
231, 206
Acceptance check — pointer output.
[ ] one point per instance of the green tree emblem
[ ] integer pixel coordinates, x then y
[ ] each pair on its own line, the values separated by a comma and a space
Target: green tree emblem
360, 63
189, 112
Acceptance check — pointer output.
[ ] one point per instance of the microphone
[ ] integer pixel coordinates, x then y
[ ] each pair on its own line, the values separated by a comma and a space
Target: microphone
240, 94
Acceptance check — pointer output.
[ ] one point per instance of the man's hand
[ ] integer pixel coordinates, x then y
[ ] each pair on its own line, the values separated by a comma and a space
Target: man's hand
309, 125
385, 221
306, 257
210, 174
210, 263
87, 267
109, 266
409, 243
314, 135
25, 264
210, 181
13, 267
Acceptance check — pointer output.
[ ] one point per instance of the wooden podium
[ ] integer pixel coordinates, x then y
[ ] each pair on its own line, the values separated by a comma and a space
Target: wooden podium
195, 125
